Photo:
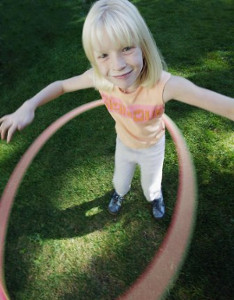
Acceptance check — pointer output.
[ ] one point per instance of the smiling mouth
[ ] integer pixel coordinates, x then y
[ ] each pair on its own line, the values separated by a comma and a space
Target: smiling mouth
123, 75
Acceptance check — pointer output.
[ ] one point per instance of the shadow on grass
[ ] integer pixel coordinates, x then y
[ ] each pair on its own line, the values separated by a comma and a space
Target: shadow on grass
37, 217
208, 270
105, 276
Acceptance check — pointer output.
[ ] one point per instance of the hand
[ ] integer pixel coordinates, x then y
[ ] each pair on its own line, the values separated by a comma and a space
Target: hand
16, 121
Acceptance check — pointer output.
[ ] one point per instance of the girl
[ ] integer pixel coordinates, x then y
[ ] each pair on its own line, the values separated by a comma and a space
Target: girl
127, 69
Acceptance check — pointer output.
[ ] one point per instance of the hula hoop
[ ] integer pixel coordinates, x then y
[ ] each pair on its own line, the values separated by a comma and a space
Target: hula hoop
154, 282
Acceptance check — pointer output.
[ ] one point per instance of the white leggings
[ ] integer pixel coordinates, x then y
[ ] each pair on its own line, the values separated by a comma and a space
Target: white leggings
150, 161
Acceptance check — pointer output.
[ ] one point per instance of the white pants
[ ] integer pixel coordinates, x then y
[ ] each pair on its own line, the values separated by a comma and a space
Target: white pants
150, 161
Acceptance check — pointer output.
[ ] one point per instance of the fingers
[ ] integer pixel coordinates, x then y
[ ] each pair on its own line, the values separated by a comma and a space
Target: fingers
10, 123
11, 131
3, 129
6, 126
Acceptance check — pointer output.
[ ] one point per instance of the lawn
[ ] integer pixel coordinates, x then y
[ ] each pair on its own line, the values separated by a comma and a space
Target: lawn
61, 241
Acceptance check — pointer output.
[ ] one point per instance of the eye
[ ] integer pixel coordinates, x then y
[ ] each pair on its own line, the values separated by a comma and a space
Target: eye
126, 49
102, 56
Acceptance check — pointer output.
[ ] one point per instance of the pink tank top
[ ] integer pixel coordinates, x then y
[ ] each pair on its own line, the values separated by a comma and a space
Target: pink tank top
138, 115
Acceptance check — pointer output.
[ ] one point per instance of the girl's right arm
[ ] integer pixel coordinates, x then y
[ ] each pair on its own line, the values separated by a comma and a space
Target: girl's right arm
24, 115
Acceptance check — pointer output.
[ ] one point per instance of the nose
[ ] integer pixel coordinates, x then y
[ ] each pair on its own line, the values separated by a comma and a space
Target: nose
118, 62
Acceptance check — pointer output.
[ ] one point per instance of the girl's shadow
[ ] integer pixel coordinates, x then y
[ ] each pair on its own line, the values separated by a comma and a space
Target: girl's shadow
77, 220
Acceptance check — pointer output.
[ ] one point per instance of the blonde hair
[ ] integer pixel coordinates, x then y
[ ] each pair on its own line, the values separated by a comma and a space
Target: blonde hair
123, 24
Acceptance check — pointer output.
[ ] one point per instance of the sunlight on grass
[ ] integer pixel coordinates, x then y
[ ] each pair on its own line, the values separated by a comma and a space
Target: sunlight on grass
83, 183
93, 211
214, 61
217, 60
223, 153
7, 150
227, 143
81, 258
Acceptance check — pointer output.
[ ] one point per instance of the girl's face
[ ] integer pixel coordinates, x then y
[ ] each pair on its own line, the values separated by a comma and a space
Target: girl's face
119, 65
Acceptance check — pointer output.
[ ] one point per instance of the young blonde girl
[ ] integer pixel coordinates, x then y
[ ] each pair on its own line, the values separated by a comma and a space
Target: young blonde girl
127, 70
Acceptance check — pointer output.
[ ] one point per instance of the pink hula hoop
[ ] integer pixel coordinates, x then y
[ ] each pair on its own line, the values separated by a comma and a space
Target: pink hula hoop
153, 283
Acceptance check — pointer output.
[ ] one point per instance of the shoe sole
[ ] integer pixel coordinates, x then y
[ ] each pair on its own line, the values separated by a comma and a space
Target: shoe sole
160, 218
112, 213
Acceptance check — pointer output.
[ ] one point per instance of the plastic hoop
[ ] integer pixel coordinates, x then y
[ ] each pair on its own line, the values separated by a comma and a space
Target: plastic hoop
153, 283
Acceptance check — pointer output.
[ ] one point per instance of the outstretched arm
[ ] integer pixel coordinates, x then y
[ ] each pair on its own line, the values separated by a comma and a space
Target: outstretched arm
183, 90
25, 114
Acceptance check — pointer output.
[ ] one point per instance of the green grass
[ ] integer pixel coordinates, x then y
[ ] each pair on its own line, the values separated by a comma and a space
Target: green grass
61, 242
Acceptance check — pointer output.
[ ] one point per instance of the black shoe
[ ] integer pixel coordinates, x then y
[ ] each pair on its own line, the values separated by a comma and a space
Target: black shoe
115, 204
158, 208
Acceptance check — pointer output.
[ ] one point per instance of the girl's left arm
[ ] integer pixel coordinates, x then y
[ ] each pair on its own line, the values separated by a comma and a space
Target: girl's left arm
183, 90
